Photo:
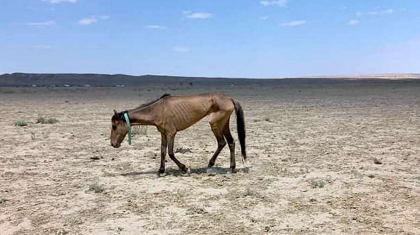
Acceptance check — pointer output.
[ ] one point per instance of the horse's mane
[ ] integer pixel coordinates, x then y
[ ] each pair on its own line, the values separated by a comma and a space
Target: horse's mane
154, 101
120, 115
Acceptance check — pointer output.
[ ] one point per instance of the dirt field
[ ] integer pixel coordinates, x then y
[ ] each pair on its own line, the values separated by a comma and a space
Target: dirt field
325, 159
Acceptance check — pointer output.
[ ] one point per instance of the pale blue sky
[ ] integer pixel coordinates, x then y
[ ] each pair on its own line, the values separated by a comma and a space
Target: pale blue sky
226, 38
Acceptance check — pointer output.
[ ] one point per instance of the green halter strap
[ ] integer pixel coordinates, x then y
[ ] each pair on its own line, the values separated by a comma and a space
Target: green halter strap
127, 120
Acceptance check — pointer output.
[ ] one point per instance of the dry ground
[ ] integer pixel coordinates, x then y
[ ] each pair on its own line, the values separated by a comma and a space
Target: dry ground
312, 150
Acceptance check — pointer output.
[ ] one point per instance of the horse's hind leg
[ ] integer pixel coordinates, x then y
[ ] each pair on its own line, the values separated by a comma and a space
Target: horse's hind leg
231, 143
216, 124
220, 144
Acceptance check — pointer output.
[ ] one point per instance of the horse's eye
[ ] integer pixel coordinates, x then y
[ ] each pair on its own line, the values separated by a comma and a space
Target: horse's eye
114, 128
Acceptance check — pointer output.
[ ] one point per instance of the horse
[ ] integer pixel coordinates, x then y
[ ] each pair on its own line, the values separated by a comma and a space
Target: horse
171, 114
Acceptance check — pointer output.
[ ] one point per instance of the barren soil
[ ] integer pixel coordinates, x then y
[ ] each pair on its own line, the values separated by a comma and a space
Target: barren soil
324, 159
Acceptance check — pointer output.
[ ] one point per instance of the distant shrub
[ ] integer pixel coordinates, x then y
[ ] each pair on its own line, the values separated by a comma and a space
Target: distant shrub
7, 91
40, 120
52, 120
43, 120
21, 123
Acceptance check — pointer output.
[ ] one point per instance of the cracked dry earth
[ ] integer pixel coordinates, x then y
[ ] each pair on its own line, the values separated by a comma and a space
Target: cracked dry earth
330, 159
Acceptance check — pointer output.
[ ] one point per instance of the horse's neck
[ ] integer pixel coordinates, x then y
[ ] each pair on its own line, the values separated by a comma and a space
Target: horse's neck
142, 116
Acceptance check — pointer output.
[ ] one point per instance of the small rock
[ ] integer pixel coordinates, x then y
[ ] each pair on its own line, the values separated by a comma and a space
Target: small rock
95, 158
211, 172
376, 161
182, 150
195, 210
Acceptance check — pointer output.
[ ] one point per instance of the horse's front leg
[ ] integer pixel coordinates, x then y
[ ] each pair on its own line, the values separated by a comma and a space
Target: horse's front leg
163, 148
171, 140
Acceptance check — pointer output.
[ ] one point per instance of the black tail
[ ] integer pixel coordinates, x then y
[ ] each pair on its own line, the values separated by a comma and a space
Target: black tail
240, 123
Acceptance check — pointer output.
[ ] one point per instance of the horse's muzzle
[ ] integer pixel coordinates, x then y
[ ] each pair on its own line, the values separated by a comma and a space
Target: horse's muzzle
116, 145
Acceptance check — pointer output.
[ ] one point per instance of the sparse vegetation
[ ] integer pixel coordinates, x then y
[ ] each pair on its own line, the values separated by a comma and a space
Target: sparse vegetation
318, 183
21, 123
3, 200
40, 120
44, 120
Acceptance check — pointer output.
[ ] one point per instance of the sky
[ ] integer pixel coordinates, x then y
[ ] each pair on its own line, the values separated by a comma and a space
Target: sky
214, 38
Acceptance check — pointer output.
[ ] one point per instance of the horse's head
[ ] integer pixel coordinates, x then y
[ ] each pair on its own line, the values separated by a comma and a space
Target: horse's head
119, 129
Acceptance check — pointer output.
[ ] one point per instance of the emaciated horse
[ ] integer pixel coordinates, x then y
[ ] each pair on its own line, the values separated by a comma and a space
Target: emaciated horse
171, 114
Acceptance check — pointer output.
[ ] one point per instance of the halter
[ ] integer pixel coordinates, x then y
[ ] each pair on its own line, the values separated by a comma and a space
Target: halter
127, 120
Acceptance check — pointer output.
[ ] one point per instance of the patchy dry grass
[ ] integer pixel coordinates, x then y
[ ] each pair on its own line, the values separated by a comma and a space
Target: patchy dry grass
44, 120
21, 123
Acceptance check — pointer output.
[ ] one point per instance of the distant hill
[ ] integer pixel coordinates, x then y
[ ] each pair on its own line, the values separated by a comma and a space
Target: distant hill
387, 76
105, 80
94, 80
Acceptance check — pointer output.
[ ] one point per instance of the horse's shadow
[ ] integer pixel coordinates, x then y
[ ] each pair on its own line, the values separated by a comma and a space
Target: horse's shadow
198, 171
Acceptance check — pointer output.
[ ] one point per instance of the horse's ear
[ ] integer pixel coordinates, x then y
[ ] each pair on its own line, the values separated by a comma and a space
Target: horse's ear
115, 112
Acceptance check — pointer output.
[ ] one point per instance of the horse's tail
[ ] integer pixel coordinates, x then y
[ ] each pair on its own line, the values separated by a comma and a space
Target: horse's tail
240, 123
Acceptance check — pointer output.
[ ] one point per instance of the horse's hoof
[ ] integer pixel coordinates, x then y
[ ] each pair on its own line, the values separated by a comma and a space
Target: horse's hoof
163, 174
187, 170
245, 163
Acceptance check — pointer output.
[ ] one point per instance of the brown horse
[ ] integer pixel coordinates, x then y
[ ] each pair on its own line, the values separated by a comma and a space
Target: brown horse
171, 114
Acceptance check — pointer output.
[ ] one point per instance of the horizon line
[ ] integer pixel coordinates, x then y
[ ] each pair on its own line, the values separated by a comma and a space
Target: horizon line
345, 76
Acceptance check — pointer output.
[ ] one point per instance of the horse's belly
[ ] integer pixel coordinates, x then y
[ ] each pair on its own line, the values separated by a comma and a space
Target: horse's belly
186, 112
187, 121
